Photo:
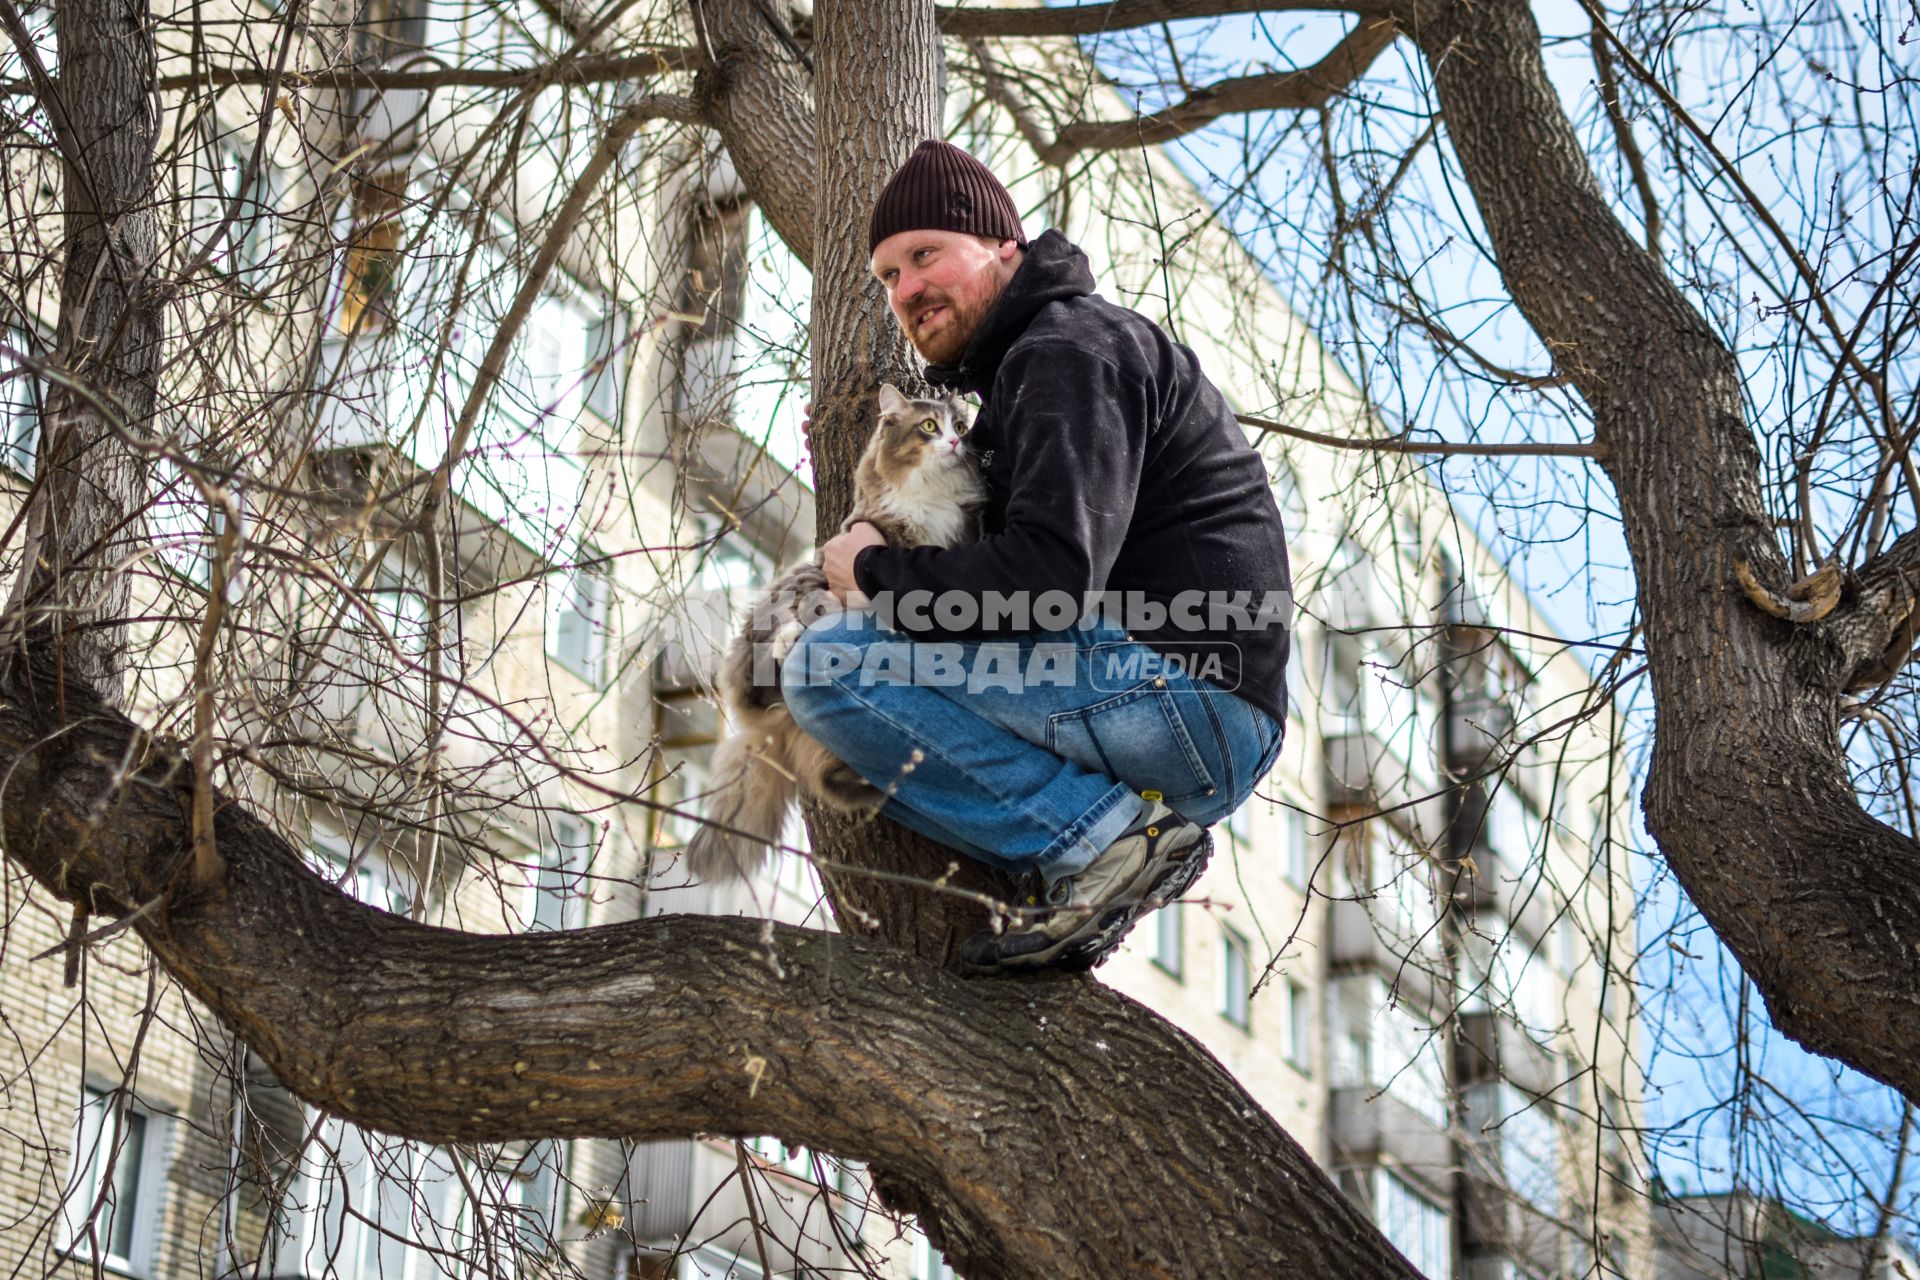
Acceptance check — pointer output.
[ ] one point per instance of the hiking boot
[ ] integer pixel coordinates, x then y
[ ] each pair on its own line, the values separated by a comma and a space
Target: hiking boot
1083, 917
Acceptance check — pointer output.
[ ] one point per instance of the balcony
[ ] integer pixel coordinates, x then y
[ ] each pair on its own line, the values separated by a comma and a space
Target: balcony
1370, 1129
1510, 1194
1495, 866
1478, 726
1371, 934
1492, 1048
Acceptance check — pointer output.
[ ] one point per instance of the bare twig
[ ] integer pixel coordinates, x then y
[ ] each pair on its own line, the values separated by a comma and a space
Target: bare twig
1435, 448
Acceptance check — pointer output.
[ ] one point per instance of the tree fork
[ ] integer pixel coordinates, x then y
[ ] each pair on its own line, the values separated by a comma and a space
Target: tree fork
1054, 1127
1748, 795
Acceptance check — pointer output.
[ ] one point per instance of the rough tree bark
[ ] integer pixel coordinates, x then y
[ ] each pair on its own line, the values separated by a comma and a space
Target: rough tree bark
1049, 1128
880, 89
91, 476
1042, 1128
1749, 795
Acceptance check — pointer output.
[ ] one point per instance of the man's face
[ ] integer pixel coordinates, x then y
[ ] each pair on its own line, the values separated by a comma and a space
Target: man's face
941, 284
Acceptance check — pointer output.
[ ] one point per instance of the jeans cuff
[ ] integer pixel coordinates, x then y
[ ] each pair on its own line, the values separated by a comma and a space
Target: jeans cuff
1088, 838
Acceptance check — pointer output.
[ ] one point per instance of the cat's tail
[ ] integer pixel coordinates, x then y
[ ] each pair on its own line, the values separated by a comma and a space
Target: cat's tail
744, 812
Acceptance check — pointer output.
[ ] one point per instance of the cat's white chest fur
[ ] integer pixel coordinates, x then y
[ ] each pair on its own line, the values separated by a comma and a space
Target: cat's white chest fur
934, 503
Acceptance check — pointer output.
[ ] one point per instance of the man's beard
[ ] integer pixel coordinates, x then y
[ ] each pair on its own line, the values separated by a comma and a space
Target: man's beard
950, 343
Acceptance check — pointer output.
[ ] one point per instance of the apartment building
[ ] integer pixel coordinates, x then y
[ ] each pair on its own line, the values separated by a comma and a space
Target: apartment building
1412, 947
1698, 1237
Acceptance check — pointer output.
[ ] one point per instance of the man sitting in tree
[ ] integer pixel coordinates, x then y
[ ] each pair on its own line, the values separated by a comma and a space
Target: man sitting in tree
1087, 751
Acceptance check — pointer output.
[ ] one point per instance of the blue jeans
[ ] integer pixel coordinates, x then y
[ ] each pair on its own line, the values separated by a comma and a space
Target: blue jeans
1026, 753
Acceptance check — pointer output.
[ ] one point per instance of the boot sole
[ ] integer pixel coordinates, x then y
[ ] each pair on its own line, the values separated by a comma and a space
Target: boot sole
1094, 940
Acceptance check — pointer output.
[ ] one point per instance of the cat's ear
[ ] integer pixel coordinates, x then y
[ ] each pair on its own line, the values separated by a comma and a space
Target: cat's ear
891, 401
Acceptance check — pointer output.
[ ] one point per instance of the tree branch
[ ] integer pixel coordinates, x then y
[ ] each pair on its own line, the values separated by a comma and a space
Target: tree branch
759, 96
1433, 448
1748, 789
1302, 90
592, 69
980, 1097
968, 22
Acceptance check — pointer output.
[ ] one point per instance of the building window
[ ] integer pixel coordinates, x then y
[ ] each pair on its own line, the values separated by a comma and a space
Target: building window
536, 1198
709, 1263
362, 875
1236, 978
1415, 1225
926, 1262
559, 882
1375, 1043
1299, 1027
362, 1204
221, 184
110, 1199
184, 528
1240, 828
1298, 857
794, 1160
1567, 942
608, 357
577, 619
22, 402
370, 285
1169, 938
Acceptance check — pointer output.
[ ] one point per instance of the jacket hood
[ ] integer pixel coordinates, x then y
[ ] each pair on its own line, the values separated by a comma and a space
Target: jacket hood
1054, 269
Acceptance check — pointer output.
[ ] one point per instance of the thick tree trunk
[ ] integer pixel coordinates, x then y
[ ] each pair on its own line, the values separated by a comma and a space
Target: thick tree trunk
868, 53
1052, 1128
84, 517
757, 93
1749, 795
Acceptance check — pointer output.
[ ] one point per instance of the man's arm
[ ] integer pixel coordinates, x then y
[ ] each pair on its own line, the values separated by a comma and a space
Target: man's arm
1077, 426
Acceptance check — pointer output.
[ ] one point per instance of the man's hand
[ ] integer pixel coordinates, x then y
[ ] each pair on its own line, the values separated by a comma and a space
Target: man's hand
837, 557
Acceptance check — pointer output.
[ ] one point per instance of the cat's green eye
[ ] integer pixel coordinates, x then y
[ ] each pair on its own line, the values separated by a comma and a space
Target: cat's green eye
930, 427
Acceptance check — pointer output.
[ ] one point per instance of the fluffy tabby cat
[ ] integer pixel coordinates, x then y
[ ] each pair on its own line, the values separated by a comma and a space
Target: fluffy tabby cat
917, 485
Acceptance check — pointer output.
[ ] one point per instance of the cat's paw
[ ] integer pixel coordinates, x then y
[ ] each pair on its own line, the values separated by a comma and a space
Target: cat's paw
845, 789
784, 637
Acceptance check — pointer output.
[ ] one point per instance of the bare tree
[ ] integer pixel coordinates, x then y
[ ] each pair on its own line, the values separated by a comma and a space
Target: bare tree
869, 1046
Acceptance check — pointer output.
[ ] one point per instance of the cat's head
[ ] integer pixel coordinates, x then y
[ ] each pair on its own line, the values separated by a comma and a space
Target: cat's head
913, 434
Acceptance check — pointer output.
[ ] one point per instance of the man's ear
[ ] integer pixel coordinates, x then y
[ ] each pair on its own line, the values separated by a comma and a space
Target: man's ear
891, 401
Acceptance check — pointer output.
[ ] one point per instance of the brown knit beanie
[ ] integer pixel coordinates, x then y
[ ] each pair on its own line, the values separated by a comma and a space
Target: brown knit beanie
942, 188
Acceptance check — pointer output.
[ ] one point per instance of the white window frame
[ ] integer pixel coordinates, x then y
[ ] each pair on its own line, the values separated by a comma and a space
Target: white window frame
924, 1262
796, 1161
344, 1206
1240, 828
1297, 866
1419, 1228
557, 892
185, 529
94, 1150
1170, 941
609, 351
709, 1263
1299, 1050
374, 880
585, 655
1236, 978
254, 236
23, 405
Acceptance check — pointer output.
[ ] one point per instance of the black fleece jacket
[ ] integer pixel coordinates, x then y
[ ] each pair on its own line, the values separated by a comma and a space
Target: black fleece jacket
1112, 465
